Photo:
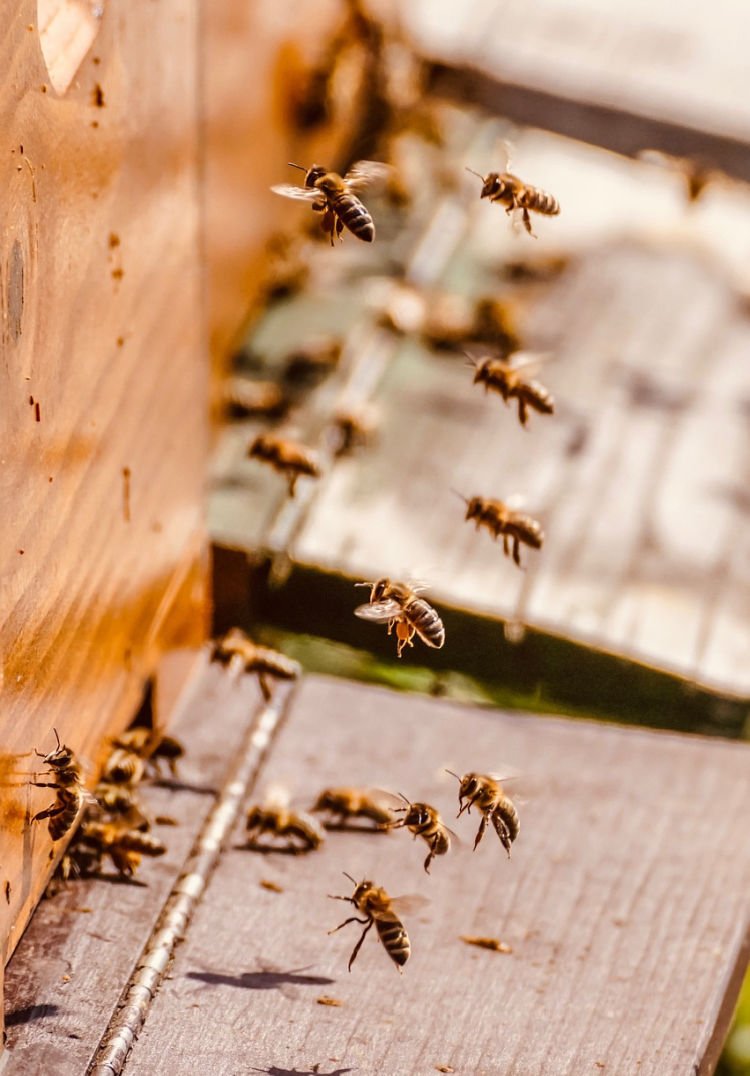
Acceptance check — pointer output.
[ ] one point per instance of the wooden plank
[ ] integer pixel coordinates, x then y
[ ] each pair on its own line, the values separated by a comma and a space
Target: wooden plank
643, 551
103, 385
628, 945
79, 950
624, 78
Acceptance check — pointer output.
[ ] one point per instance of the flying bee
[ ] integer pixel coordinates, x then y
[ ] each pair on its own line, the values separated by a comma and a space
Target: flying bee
509, 379
515, 527
424, 821
511, 192
336, 198
71, 796
377, 907
343, 804
485, 792
400, 605
261, 660
299, 830
289, 457
123, 846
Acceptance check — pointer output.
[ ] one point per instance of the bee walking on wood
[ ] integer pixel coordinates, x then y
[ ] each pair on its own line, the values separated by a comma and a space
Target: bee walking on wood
137, 749
289, 457
377, 907
485, 792
510, 191
67, 782
400, 605
336, 198
299, 831
499, 519
424, 821
255, 659
124, 846
343, 804
511, 380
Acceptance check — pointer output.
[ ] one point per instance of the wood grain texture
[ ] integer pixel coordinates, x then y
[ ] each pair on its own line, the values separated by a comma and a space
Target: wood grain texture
66, 976
103, 384
625, 904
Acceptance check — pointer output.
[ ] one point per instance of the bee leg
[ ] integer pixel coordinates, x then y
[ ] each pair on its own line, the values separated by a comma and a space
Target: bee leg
318, 207
292, 484
351, 919
517, 551
527, 222
522, 412
358, 946
480, 832
265, 687
339, 228
506, 549
51, 812
430, 857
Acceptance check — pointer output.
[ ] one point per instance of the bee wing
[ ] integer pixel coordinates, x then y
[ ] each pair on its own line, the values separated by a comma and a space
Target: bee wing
528, 361
409, 903
277, 795
366, 174
379, 612
302, 194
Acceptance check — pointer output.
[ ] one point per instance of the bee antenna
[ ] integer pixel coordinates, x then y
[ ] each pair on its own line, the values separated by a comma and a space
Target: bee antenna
471, 361
466, 501
475, 174
57, 738
293, 165
406, 801
353, 880
454, 775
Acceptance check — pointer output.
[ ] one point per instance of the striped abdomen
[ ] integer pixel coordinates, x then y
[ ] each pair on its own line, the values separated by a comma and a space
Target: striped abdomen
506, 822
525, 529
394, 938
425, 621
354, 216
71, 801
538, 200
534, 394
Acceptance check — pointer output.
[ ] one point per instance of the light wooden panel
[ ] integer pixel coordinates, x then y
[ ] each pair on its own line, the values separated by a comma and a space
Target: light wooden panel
627, 947
103, 388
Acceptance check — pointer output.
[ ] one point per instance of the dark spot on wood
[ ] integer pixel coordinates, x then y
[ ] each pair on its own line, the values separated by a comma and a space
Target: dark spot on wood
94, 123
126, 493
15, 291
118, 274
31, 401
114, 240
44, 87
50, 479
21, 552
7, 891
98, 95
120, 341
96, 59
37, 413
21, 148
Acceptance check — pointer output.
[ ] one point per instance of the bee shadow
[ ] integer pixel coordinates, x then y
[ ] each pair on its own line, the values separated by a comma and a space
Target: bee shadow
260, 980
276, 1071
271, 849
29, 1013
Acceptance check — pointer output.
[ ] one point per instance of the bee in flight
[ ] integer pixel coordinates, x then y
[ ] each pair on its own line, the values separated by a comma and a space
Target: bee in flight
485, 792
377, 907
400, 605
65, 771
510, 191
512, 379
288, 457
499, 518
336, 198
299, 831
424, 821
343, 804
258, 659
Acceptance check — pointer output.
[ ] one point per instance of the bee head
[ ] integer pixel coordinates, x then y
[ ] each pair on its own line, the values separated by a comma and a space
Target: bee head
473, 507
59, 759
379, 589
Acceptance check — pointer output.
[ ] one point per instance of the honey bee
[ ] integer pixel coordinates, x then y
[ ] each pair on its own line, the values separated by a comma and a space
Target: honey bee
71, 796
346, 803
299, 830
243, 397
336, 198
485, 792
289, 457
424, 821
354, 428
137, 749
123, 846
398, 604
261, 660
506, 376
120, 801
377, 907
511, 192
515, 527
311, 362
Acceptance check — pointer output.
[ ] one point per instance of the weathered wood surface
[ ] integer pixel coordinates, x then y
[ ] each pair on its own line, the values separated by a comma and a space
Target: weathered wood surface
625, 904
103, 384
625, 77
640, 478
79, 950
